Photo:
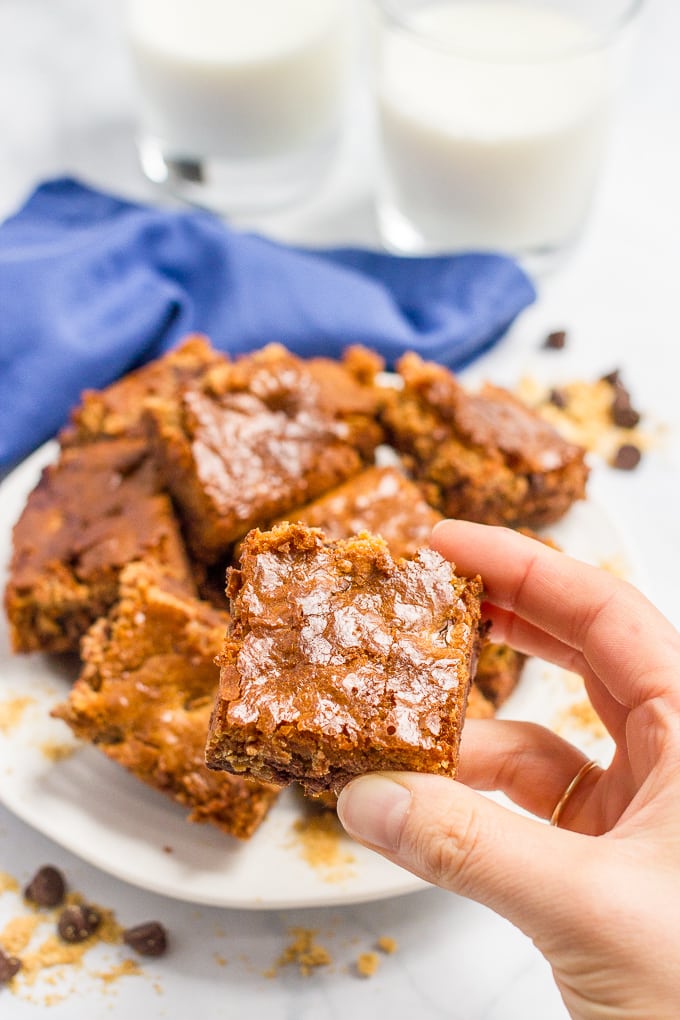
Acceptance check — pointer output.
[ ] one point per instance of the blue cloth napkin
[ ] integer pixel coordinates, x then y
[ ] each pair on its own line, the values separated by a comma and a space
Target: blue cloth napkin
92, 286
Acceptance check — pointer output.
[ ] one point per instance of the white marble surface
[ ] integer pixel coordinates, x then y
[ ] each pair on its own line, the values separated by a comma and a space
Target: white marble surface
66, 106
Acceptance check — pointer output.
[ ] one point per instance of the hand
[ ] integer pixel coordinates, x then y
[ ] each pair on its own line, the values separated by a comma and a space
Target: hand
600, 895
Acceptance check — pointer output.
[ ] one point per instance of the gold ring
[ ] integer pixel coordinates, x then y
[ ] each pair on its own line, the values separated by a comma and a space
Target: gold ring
576, 781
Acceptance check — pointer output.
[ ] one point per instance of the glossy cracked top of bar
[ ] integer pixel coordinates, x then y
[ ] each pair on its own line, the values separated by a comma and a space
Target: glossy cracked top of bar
338, 638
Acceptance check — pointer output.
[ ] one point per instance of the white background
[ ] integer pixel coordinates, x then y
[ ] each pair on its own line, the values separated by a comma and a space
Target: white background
66, 106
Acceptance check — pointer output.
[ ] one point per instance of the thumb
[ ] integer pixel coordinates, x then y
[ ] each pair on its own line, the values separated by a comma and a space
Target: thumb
456, 838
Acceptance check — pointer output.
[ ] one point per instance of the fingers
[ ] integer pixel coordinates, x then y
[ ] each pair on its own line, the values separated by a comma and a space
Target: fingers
627, 643
526, 762
455, 838
528, 638
510, 628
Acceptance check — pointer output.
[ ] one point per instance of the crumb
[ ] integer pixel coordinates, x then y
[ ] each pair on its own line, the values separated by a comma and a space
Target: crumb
167, 850
616, 565
582, 716
302, 951
319, 841
387, 944
53, 953
220, 960
126, 968
12, 711
8, 883
19, 931
55, 752
583, 413
53, 1000
571, 681
367, 964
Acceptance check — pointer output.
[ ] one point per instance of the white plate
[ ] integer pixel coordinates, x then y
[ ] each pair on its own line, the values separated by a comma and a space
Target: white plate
88, 804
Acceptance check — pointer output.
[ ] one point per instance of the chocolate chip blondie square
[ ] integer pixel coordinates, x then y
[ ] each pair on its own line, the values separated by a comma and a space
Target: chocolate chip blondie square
259, 436
381, 500
341, 660
145, 695
481, 456
118, 409
97, 508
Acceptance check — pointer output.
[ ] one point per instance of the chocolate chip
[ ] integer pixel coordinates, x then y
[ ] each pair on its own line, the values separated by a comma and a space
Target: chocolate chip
558, 398
626, 457
613, 378
186, 169
623, 413
555, 341
47, 888
77, 923
625, 417
9, 966
149, 939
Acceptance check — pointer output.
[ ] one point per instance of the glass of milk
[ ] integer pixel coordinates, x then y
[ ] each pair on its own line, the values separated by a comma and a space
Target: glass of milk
240, 100
493, 119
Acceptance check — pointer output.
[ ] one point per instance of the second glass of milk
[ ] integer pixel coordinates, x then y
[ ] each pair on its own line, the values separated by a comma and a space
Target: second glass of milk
240, 102
493, 118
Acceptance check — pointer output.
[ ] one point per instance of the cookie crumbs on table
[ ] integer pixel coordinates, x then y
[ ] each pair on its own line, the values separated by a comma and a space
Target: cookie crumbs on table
386, 944
75, 927
126, 968
18, 932
367, 964
8, 883
302, 951
322, 844
597, 415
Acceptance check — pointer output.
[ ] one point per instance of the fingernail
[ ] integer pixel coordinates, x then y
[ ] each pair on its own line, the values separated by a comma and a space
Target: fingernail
437, 527
373, 810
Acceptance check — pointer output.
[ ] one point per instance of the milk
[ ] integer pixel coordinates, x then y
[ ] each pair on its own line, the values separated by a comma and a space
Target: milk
493, 130
242, 79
